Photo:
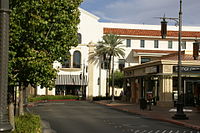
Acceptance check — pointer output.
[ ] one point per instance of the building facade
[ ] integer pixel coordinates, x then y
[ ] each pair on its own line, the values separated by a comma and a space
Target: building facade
159, 78
142, 44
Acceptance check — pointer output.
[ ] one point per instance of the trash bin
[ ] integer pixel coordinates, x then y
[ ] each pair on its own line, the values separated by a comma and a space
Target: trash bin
143, 103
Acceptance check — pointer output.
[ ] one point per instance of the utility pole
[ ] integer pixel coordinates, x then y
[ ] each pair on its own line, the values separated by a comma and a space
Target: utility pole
179, 113
5, 126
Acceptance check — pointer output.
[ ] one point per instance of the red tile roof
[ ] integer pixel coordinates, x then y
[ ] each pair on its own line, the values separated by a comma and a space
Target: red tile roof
140, 32
174, 56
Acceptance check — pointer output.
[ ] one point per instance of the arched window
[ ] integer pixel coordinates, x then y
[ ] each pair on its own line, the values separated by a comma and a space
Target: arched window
79, 38
77, 59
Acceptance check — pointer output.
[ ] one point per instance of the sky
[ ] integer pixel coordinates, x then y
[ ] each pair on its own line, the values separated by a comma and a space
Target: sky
143, 11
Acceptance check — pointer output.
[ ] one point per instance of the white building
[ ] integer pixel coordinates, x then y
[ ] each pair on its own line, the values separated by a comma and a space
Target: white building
142, 43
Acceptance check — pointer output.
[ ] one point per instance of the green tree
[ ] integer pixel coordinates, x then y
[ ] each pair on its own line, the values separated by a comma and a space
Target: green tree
119, 78
109, 47
41, 31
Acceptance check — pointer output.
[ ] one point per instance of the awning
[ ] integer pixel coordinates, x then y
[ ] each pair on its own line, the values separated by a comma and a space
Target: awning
71, 80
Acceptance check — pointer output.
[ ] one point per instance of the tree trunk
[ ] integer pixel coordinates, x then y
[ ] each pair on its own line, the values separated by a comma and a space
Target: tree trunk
113, 95
11, 115
21, 99
109, 68
11, 106
46, 91
35, 91
16, 105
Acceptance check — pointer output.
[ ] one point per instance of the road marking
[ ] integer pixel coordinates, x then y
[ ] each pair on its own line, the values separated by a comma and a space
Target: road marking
116, 126
170, 131
157, 131
137, 131
143, 131
177, 131
150, 131
164, 131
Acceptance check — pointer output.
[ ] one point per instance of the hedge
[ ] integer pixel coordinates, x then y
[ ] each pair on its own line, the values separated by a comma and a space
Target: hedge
28, 123
56, 97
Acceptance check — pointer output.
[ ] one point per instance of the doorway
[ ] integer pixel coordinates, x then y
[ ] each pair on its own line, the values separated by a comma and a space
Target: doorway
191, 92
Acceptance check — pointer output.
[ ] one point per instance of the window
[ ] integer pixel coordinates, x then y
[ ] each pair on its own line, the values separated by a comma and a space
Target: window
142, 43
79, 38
128, 43
144, 60
121, 64
66, 63
183, 44
170, 44
156, 44
77, 59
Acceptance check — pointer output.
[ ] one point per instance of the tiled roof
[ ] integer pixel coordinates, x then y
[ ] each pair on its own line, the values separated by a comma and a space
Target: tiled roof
140, 32
153, 51
184, 57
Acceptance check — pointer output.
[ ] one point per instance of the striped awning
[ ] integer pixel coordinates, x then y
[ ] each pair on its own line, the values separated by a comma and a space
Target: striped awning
71, 80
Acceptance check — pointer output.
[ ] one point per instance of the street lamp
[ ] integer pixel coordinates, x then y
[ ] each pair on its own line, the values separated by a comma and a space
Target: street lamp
4, 41
179, 114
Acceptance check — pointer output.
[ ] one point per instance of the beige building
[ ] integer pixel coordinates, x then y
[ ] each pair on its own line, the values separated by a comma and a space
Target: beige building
159, 77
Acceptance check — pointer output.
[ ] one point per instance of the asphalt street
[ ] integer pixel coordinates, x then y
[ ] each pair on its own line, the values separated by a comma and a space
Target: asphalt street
86, 117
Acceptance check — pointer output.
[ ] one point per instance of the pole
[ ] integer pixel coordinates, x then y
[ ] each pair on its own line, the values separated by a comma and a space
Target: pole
113, 89
180, 114
4, 42
100, 61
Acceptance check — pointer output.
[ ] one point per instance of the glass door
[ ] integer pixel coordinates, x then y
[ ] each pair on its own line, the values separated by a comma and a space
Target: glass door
189, 93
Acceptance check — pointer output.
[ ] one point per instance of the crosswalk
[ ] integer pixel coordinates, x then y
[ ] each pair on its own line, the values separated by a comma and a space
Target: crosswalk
125, 128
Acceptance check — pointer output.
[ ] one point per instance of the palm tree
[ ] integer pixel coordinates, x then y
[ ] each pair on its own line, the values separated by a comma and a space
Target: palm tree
109, 47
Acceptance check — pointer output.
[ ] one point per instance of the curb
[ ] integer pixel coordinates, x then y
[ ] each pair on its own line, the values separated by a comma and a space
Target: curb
195, 127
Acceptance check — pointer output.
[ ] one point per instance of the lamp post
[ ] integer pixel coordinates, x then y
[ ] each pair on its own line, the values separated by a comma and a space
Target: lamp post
179, 114
4, 41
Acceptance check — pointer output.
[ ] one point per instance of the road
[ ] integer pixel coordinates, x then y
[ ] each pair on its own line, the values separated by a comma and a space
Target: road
86, 117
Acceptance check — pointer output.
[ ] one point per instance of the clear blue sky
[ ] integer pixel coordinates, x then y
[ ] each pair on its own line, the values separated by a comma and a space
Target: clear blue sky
143, 11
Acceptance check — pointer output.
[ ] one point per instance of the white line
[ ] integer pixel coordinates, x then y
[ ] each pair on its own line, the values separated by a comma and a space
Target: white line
137, 131
157, 131
164, 131
143, 131
170, 131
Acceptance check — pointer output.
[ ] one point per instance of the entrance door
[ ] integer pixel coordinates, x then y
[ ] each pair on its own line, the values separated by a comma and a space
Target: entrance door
191, 89
189, 96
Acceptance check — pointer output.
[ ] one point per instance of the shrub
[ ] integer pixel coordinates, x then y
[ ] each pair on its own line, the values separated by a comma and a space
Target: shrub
28, 123
98, 98
56, 97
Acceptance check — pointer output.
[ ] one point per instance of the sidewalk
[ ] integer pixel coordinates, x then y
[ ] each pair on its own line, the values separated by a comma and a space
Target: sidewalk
159, 113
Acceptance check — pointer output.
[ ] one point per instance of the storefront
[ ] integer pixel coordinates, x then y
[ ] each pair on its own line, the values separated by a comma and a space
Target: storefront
158, 80
71, 85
